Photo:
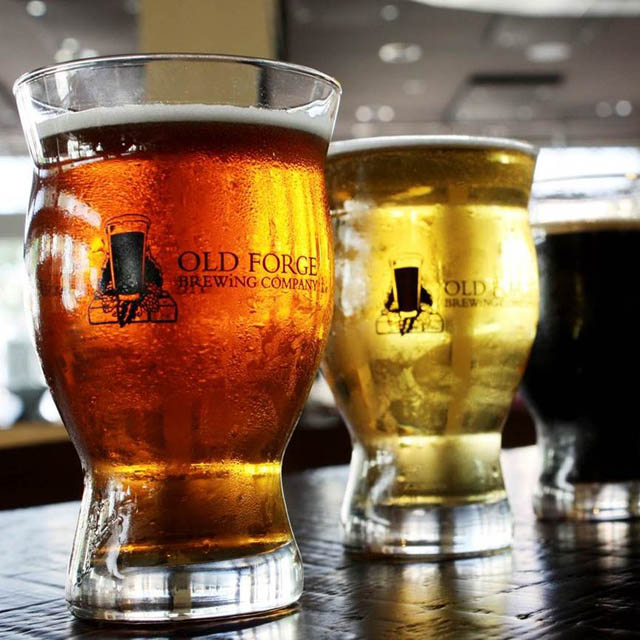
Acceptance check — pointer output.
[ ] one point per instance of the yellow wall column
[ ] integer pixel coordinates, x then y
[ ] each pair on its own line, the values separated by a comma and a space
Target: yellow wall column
239, 27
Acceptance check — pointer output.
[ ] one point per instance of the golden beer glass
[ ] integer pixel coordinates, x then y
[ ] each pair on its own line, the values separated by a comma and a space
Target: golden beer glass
180, 283
436, 305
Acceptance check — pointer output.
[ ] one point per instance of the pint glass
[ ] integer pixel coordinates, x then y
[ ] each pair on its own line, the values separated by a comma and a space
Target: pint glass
583, 399
436, 306
180, 284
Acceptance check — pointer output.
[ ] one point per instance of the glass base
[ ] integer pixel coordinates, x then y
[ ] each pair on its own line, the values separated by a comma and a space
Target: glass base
431, 532
588, 501
222, 590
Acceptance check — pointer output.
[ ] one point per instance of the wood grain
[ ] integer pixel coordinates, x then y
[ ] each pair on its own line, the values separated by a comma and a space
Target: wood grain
559, 581
25, 434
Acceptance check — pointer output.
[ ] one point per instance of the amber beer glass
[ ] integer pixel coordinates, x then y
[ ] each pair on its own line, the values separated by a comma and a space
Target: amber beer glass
180, 283
436, 306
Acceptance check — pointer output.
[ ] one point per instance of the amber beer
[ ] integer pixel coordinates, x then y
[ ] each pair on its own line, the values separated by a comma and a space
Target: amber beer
180, 271
435, 312
180, 286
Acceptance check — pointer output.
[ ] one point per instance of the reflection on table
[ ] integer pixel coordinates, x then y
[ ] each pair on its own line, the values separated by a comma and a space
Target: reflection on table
560, 580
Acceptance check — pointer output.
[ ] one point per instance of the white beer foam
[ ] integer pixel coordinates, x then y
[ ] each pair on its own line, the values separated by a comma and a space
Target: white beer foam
399, 142
299, 119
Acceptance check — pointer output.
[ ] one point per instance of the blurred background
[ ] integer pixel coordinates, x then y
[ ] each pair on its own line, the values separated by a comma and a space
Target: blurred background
563, 74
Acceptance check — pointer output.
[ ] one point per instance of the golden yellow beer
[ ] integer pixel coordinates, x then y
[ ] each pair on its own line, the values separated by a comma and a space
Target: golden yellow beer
436, 308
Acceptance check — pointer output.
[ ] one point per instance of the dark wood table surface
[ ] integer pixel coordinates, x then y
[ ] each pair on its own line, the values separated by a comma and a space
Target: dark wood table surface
559, 581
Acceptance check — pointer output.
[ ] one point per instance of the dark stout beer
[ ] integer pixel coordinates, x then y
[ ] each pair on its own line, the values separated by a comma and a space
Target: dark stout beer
576, 383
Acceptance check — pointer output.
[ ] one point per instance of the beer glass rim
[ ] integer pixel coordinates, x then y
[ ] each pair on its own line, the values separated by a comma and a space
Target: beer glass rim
586, 202
383, 143
584, 186
141, 58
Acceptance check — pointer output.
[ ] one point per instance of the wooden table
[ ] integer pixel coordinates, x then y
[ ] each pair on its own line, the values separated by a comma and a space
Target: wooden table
560, 581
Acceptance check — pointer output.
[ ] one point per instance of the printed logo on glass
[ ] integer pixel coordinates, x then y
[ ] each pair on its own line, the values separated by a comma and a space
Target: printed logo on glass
130, 287
408, 307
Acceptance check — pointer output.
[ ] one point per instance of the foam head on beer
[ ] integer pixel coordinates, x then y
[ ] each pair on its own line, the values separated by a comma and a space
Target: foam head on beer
97, 118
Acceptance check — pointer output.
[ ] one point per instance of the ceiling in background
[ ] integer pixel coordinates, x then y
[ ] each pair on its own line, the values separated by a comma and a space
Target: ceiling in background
405, 67
36, 33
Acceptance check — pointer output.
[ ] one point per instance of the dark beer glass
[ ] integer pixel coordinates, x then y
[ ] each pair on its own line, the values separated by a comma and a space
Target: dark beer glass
586, 231
180, 285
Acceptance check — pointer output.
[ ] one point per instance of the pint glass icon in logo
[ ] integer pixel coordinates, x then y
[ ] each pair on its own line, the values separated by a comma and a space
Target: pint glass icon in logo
409, 306
130, 287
